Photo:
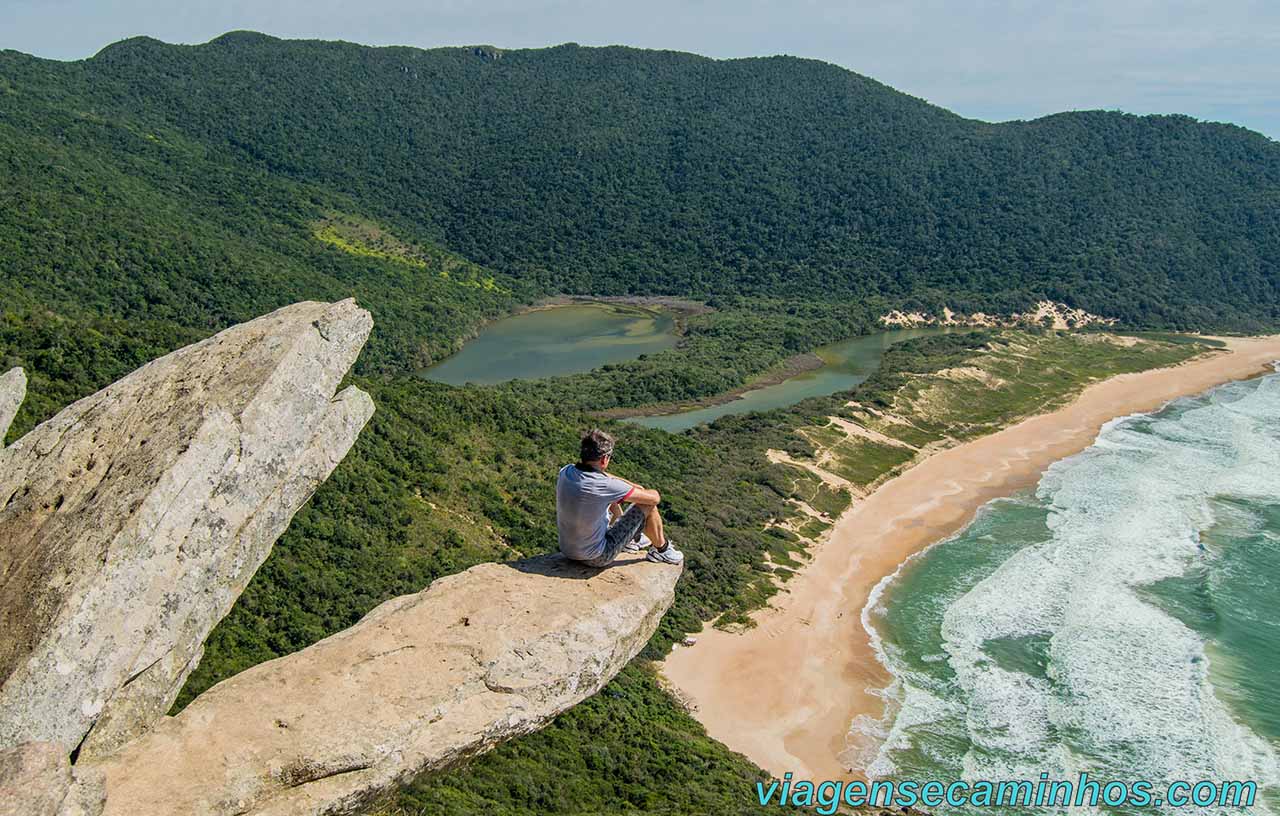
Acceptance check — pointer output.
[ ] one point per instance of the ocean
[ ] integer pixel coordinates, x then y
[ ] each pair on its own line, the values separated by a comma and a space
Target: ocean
1123, 618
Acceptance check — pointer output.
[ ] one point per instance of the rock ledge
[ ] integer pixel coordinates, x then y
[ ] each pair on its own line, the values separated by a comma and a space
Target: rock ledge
422, 682
132, 520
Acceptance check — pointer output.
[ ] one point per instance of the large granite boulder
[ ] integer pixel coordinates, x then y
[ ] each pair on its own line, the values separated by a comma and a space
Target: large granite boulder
132, 520
422, 682
13, 388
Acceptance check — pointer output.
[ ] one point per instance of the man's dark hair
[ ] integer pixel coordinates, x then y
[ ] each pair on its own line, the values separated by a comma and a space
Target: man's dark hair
596, 445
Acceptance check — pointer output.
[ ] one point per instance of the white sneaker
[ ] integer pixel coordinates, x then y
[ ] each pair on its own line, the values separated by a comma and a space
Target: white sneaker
636, 546
668, 556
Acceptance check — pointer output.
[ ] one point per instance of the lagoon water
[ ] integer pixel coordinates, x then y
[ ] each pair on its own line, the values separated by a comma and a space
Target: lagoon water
583, 336
845, 364
555, 341
1121, 619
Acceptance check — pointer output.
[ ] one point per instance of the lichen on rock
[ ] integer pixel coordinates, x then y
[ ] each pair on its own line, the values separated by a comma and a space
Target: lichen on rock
421, 683
132, 520
13, 388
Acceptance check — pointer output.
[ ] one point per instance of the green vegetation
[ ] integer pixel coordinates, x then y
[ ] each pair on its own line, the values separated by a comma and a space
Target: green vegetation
188, 188
1019, 375
447, 477
156, 194
108, 222
938, 391
616, 170
628, 750
365, 239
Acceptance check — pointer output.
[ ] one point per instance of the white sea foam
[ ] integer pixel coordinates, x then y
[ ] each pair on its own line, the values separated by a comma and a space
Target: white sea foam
917, 707
873, 735
1128, 688
877, 738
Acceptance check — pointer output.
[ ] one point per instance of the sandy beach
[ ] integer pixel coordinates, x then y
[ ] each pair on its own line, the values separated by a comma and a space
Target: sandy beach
785, 692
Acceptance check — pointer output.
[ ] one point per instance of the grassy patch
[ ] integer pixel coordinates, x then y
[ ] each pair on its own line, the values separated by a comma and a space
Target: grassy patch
832, 501
814, 528
863, 462
942, 391
366, 239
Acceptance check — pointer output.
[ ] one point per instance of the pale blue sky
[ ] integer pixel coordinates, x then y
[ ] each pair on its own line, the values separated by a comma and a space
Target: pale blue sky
990, 59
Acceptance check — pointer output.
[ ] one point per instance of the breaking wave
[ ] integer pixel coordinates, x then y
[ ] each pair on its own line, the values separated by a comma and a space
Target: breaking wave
1107, 623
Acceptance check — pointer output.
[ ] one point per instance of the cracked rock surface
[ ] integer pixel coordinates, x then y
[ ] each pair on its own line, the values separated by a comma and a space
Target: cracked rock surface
37, 780
132, 520
422, 682
13, 387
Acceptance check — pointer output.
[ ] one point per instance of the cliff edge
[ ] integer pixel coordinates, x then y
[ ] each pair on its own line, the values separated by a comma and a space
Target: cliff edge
132, 520
421, 683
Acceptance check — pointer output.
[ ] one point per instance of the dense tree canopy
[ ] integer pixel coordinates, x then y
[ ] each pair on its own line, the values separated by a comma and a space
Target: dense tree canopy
157, 193
620, 170
615, 170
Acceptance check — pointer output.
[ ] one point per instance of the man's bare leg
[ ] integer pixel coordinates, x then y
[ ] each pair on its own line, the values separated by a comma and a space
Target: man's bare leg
653, 526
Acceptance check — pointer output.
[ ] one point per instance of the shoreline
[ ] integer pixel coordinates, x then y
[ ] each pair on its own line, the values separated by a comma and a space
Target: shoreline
786, 692
793, 366
645, 302
679, 308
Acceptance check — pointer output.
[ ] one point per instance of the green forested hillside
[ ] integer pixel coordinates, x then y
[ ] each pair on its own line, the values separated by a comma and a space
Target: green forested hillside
155, 193
105, 217
168, 191
618, 170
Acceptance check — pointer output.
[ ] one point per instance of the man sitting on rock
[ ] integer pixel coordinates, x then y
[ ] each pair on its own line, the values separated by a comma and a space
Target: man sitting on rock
588, 497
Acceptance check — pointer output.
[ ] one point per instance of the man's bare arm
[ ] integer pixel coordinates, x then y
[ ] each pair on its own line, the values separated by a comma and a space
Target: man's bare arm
639, 495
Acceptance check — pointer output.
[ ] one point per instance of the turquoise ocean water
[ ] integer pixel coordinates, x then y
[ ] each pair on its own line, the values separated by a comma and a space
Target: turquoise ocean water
1121, 619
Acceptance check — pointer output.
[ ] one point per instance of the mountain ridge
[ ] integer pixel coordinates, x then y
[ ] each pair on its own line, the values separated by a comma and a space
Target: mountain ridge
161, 193
616, 170
248, 36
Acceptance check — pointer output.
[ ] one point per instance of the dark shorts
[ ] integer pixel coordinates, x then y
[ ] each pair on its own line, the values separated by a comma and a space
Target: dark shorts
620, 532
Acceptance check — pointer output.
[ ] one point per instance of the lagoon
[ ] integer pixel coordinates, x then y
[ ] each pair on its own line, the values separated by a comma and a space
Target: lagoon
555, 341
845, 365
580, 337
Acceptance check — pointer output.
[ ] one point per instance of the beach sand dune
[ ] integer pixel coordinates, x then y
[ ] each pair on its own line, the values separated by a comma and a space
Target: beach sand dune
785, 692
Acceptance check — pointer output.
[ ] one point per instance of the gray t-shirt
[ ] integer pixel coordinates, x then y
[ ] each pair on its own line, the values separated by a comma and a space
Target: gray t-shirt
582, 509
